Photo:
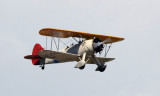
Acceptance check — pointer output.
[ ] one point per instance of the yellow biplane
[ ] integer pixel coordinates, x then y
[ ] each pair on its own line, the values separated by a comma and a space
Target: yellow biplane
84, 51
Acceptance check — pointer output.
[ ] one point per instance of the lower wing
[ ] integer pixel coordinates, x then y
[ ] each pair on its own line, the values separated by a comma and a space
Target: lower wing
58, 56
101, 60
61, 57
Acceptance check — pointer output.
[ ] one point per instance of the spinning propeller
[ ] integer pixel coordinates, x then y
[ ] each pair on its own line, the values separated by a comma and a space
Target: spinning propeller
98, 45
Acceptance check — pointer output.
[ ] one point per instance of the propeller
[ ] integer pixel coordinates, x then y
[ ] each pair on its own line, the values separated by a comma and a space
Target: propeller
108, 40
98, 45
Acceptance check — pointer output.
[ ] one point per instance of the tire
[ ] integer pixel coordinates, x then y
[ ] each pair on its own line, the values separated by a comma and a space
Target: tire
101, 69
82, 67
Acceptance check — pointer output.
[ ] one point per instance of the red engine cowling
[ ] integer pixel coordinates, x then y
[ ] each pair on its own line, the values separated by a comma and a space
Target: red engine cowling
35, 57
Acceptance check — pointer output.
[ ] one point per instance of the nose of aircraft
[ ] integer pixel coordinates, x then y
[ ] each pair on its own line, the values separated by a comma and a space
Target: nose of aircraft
98, 45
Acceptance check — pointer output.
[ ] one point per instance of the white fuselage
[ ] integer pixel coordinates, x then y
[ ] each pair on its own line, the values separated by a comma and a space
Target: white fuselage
80, 48
84, 47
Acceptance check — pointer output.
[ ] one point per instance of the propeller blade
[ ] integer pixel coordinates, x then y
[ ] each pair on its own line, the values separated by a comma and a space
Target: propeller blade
108, 40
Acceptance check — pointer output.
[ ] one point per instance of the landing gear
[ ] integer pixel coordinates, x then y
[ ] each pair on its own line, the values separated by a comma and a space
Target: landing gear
42, 63
42, 67
82, 67
101, 68
81, 63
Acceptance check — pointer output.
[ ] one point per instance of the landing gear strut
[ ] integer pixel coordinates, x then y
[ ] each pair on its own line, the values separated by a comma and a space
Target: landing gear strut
82, 62
101, 67
42, 63
42, 67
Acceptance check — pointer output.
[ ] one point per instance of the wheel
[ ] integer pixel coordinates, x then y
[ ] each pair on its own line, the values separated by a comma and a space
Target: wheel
101, 69
82, 67
42, 67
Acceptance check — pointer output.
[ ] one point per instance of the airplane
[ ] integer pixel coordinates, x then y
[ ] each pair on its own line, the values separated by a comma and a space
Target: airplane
84, 51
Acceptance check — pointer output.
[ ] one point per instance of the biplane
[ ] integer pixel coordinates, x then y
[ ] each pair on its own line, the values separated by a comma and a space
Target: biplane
83, 51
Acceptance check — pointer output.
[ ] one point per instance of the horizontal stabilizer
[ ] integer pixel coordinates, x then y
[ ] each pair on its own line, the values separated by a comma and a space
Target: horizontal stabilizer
35, 57
31, 57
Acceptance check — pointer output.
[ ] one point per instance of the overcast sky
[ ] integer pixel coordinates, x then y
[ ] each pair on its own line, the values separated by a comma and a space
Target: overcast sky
134, 72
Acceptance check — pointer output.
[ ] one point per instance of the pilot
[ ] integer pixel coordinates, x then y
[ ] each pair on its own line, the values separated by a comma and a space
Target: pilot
72, 44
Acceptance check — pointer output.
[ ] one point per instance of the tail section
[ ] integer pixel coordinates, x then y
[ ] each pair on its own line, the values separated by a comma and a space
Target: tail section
35, 57
36, 49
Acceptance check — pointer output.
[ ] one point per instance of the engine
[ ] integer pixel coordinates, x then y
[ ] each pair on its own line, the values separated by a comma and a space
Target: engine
97, 45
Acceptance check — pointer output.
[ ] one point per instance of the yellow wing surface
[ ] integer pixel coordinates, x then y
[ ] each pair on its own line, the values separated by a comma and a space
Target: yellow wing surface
67, 33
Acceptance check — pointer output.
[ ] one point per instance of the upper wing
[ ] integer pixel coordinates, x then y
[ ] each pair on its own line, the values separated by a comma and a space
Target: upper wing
67, 33
59, 56
101, 59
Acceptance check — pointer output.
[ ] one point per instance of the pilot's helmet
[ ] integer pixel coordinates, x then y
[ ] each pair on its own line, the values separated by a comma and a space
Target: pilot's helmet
72, 44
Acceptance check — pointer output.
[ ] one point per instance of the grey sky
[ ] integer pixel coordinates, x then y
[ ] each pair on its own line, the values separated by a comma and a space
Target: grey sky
135, 72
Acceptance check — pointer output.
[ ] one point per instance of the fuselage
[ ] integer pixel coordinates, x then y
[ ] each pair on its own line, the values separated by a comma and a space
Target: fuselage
85, 46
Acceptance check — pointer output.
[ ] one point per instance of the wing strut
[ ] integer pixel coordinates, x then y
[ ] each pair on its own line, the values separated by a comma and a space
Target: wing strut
46, 42
51, 42
58, 43
55, 43
75, 39
106, 51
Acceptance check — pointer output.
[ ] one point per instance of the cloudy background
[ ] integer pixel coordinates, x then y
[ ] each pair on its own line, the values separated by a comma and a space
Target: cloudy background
135, 72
